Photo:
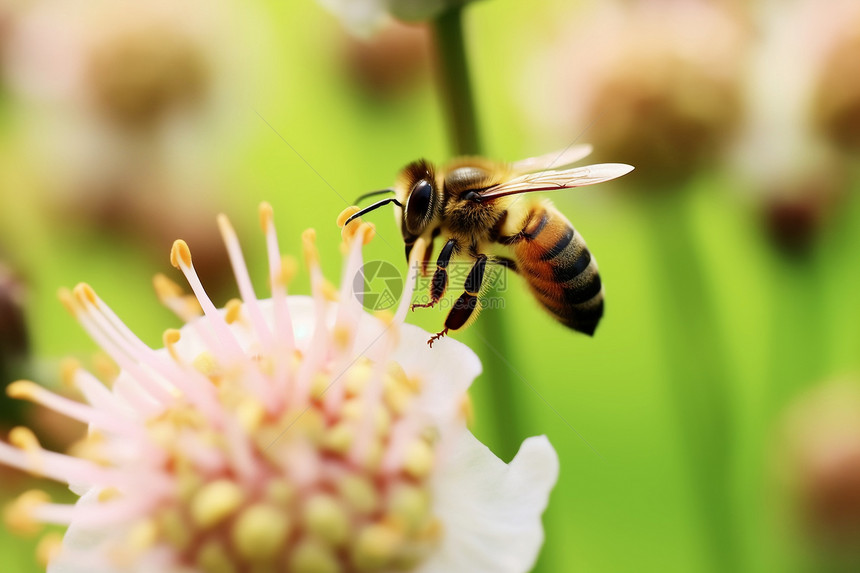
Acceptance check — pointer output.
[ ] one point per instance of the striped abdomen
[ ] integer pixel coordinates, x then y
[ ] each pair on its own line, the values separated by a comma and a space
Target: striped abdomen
559, 268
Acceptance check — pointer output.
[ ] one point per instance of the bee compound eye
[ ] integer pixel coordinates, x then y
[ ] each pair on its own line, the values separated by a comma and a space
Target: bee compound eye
419, 206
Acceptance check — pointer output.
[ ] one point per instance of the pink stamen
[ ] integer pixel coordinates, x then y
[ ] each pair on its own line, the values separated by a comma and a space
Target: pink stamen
82, 412
283, 321
60, 467
243, 280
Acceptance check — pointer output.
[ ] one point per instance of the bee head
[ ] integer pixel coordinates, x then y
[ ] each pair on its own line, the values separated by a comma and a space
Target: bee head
422, 199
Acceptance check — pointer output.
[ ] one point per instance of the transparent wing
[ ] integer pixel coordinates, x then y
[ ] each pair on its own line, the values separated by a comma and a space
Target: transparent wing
551, 180
555, 160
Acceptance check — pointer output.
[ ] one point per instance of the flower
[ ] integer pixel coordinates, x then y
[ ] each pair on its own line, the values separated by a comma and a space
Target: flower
798, 113
821, 465
294, 433
364, 17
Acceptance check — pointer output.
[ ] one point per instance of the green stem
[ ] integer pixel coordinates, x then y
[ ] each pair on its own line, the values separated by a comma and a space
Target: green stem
697, 373
455, 83
456, 91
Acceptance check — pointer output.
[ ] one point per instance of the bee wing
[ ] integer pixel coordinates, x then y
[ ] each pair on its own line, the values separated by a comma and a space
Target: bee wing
552, 180
554, 160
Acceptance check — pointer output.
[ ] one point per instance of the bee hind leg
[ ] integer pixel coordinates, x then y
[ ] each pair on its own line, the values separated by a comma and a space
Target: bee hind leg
439, 282
436, 337
467, 304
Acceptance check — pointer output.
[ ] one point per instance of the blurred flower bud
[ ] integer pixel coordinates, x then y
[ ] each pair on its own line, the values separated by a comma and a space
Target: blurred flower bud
823, 437
141, 71
390, 62
836, 101
797, 174
654, 85
365, 17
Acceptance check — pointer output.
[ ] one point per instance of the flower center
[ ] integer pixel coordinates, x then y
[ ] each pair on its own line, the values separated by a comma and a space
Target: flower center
339, 483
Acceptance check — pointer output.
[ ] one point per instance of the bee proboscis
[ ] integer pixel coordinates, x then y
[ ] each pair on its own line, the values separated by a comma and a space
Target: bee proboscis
472, 205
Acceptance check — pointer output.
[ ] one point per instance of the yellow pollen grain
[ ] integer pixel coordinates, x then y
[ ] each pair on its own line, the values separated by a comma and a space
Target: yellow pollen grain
233, 310
376, 546
68, 369
368, 232
373, 456
250, 413
346, 214
49, 547
22, 390
418, 459
213, 558
109, 494
180, 254
90, 448
382, 422
311, 557
280, 492
267, 216
68, 301
174, 528
207, 364
319, 385
170, 338
192, 307
166, 288
85, 294
260, 532
356, 377
352, 410
410, 505
338, 439
143, 536
325, 518
309, 248
342, 336
386, 317
396, 396
289, 268
18, 515
329, 291
359, 494
224, 226
24, 438
105, 367
215, 502
432, 531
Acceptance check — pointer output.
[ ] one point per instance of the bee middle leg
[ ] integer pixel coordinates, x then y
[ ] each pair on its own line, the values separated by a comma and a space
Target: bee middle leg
439, 282
466, 303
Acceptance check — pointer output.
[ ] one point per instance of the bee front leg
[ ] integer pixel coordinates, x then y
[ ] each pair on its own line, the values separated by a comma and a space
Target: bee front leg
439, 283
467, 303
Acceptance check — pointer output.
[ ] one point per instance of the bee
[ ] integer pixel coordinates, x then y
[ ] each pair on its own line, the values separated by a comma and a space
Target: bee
472, 205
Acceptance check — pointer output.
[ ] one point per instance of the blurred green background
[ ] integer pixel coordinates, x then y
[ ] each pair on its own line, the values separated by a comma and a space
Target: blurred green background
730, 258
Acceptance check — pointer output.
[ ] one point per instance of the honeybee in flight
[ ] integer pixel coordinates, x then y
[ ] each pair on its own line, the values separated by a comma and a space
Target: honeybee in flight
472, 204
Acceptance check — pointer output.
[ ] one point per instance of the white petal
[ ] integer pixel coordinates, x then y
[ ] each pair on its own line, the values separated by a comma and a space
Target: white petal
491, 511
80, 552
446, 371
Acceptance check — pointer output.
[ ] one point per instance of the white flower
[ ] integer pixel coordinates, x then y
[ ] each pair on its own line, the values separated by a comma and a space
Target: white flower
294, 433
363, 17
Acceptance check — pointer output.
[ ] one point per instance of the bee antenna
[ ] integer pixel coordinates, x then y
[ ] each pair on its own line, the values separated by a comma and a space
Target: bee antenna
373, 207
371, 194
